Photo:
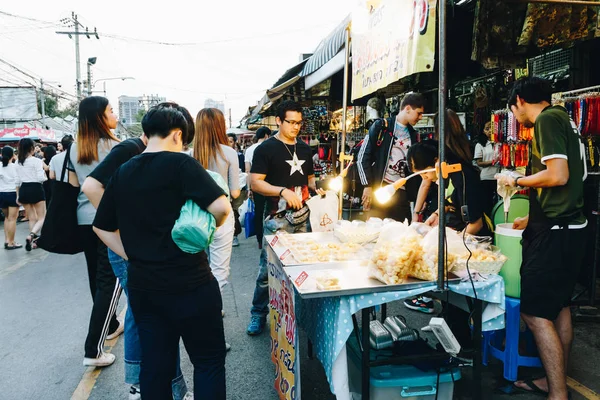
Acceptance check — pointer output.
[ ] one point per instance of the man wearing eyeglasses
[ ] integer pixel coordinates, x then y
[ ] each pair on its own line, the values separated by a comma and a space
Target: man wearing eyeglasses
382, 159
282, 171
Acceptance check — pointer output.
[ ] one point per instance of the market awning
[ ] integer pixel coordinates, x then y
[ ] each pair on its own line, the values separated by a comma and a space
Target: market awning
326, 71
278, 91
327, 49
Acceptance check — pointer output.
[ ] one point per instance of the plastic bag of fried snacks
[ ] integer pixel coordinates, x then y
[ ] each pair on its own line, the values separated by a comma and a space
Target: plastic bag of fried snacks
327, 282
426, 267
397, 249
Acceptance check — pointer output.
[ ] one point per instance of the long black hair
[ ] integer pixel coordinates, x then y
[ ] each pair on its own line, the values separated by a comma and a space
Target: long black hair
49, 152
7, 155
25, 147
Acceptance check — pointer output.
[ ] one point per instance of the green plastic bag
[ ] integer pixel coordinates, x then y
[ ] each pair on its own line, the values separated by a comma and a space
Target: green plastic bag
195, 228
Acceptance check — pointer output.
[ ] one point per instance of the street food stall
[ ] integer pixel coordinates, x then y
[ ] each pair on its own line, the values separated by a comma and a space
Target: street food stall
319, 281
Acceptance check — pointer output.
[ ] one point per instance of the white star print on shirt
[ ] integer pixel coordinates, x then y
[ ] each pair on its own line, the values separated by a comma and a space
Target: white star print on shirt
295, 164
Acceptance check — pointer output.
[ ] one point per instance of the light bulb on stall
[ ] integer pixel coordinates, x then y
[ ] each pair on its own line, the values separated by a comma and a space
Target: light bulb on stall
384, 194
336, 183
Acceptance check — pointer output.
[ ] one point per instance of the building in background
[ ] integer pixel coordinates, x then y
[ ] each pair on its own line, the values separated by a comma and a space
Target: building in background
130, 107
219, 105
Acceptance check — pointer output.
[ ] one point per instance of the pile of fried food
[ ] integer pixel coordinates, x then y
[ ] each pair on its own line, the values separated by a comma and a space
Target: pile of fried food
401, 253
308, 251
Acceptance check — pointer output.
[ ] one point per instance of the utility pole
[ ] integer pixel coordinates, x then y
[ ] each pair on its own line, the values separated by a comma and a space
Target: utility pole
42, 99
230, 125
73, 22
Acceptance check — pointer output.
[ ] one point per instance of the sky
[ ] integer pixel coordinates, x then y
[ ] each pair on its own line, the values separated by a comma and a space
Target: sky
225, 50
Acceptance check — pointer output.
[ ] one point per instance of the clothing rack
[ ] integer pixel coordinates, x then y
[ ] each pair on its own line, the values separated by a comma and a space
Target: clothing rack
562, 95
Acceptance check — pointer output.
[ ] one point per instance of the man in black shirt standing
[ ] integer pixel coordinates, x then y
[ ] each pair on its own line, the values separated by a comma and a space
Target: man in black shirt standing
282, 171
172, 294
93, 187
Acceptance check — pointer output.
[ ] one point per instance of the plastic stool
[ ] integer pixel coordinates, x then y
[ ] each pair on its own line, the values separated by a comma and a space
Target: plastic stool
492, 343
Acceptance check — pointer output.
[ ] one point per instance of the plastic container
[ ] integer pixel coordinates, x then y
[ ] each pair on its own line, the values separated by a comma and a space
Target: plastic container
400, 382
509, 242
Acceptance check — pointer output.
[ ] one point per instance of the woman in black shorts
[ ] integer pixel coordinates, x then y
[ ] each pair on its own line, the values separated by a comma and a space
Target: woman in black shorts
8, 197
30, 171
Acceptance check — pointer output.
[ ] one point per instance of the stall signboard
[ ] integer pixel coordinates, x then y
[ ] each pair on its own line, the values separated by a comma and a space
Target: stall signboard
26, 132
284, 333
390, 40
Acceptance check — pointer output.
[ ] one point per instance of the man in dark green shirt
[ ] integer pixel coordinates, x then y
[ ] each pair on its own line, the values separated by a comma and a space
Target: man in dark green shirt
554, 230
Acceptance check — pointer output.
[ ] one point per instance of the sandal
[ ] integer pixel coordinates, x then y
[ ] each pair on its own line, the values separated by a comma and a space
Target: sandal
13, 247
533, 388
29, 242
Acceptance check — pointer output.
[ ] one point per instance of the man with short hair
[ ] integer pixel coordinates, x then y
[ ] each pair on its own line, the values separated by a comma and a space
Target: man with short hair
262, 134
282, 171
56, 163
382, 159
172, 294
554, 230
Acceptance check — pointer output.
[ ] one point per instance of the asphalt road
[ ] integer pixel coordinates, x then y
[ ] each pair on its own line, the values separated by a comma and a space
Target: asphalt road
44, 314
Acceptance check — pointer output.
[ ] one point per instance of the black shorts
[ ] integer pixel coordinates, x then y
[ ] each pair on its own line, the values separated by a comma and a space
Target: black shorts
31, 193
552, 260
8, 199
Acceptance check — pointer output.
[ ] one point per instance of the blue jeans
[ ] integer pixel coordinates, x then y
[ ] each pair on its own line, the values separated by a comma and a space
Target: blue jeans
133, 349
260, 301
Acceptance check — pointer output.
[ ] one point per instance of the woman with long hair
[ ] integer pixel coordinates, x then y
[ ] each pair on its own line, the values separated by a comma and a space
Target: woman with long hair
212, 150
49, 153
8, 197
30, 194
94, 142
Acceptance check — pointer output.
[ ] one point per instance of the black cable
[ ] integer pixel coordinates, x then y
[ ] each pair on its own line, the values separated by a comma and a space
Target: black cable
437, 384
469, 258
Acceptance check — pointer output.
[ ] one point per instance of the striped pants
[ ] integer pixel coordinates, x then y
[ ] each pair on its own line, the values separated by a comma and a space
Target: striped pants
105, 290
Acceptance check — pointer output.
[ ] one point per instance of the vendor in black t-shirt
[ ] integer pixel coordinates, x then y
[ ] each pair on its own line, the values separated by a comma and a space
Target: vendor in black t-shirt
172, 294
282, 171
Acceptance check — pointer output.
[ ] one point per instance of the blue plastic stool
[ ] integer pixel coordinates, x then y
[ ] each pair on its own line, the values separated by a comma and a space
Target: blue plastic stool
492, 343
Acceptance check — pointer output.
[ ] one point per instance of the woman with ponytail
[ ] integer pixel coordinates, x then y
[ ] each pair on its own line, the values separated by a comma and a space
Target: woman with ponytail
8, 197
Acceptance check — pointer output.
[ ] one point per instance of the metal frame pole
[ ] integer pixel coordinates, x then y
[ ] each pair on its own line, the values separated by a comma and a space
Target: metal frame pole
443, 89
344, 116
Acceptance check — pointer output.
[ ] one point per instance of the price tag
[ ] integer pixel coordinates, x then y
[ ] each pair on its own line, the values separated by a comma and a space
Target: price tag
301, 278
285, 254
274, 241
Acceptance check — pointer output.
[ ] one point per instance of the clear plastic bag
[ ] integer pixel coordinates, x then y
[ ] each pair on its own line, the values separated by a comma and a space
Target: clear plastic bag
426, 267
395, 253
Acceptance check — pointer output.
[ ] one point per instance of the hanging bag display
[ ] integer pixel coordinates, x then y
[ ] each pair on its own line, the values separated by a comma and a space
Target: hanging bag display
60, 231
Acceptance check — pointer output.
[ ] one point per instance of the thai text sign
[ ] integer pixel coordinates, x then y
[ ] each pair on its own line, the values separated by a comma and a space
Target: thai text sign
284, 335
395, 40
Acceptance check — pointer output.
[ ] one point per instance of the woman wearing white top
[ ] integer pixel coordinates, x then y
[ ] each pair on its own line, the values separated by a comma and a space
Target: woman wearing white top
211, 149
30, 172
484, 158
8, 197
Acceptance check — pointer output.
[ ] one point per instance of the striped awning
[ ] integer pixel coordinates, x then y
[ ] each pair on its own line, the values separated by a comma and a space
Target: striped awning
327, 49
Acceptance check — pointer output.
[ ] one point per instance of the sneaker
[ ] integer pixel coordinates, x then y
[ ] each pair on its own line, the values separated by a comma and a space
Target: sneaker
134, 393
117, 332
104, 360
236, 242
189, 396
256, 325
420, 304
227, 346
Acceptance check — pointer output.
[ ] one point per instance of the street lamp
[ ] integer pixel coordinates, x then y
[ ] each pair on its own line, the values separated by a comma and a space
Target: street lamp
122, 78
91, 61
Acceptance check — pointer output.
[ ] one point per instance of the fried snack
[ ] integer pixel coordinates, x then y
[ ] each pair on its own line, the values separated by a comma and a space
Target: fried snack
392, 261
483, 255
327, 282
426, 267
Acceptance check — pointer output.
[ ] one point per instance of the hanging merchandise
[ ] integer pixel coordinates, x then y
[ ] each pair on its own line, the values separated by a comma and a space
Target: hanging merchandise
511, 149
585, 112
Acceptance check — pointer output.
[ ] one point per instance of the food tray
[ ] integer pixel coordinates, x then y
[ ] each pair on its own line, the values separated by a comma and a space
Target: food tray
315, 248
353, 279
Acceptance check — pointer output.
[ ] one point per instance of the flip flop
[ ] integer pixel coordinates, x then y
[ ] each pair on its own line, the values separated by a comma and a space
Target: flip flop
15, 246
534, 389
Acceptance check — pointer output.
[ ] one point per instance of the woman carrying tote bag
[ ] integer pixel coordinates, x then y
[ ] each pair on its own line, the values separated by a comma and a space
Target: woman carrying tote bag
94, 142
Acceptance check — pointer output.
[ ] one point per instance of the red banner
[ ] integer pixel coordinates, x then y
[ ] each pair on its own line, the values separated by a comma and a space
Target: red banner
19, 133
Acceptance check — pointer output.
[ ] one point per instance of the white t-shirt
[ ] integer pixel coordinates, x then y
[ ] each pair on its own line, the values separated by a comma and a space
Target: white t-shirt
56, 165
32, 171
8, 178
486, 154
250, 153
397, 163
